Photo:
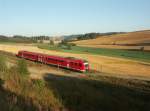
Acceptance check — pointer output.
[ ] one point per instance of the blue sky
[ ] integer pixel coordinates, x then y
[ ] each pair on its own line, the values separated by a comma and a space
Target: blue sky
64, 17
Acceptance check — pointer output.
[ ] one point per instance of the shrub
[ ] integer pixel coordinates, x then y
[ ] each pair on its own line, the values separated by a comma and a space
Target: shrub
41, 41
72, 44
51, 42
22, 67
69, 46
40, 84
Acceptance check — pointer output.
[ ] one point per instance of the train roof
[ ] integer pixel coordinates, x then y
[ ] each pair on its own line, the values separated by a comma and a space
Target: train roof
58, 57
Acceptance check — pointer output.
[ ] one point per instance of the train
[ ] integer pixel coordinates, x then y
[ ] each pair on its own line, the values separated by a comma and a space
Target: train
62, 62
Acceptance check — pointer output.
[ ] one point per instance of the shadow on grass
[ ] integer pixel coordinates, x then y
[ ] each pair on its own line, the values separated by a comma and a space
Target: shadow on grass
12, 102
90, 95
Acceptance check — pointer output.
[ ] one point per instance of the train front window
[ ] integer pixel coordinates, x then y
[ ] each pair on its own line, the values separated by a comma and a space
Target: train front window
86, 65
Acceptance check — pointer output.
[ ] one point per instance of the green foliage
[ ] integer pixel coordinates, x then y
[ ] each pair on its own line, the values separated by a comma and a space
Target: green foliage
142, 48
22, 67
89, 36
17, 39
69, 46
3, 65
40, 84
65, 45
72, 44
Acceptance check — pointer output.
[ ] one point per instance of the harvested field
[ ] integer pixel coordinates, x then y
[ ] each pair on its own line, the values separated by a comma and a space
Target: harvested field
132, 40
112, 65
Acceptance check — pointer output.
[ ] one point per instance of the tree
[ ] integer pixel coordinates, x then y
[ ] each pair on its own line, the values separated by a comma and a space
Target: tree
69, 46
41, 41
51, 42
142, 48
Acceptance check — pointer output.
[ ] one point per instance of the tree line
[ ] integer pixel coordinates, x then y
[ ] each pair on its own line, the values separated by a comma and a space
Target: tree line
89, 36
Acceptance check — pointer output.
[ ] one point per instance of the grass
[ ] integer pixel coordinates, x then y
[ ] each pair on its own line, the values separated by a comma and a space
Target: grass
21, 93
136, 55
64, 93
92, 95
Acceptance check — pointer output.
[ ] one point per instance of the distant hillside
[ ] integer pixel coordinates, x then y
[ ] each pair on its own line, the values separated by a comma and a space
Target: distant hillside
16, 39
88, 36
139, 38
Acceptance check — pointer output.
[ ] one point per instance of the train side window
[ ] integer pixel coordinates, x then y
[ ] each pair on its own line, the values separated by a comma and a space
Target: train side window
50, 59
71, 63
80, 64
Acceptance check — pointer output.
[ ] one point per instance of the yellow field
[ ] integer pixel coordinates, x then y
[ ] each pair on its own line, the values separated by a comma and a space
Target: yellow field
112, 65
116, 41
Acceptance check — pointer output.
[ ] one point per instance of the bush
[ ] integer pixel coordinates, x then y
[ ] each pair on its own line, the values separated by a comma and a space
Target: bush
51, 42
41, 41
40, 84
72, 44
22, 67
3, 66
69, 46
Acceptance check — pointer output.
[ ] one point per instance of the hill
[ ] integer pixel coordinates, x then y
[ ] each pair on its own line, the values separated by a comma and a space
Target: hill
131, 40
88, 36
16, 39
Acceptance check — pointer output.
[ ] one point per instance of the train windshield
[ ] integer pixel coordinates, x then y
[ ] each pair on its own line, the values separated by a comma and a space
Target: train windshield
86, 65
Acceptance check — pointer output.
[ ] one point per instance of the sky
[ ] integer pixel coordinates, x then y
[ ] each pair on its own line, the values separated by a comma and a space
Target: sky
65, 17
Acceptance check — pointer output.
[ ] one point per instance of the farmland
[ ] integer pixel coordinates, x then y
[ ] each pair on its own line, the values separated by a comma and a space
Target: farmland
137, 55
116, 75
132, 41
112, 66
52, 91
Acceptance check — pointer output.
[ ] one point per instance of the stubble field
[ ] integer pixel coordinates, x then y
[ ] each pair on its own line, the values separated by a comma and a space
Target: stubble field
111, 66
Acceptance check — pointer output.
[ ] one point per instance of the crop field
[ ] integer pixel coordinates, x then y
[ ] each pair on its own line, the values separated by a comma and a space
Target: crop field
131, 41
112, 66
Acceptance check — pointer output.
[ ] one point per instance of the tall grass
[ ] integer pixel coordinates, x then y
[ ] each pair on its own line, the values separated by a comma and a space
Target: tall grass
33, 93
3, 65
22, 67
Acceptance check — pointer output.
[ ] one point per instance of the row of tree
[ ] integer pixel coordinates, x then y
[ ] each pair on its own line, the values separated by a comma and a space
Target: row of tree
89, 36
17, 39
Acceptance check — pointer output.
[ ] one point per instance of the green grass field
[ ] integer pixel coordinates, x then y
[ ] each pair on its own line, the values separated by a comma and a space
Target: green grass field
136, 55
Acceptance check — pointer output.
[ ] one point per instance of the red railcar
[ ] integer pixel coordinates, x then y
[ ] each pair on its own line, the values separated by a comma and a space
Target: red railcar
66, 62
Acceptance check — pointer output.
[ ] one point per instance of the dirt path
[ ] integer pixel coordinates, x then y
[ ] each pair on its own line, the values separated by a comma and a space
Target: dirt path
112, 65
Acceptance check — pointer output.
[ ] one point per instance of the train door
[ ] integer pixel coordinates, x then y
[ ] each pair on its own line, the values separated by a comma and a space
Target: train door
40, 58
68, 65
